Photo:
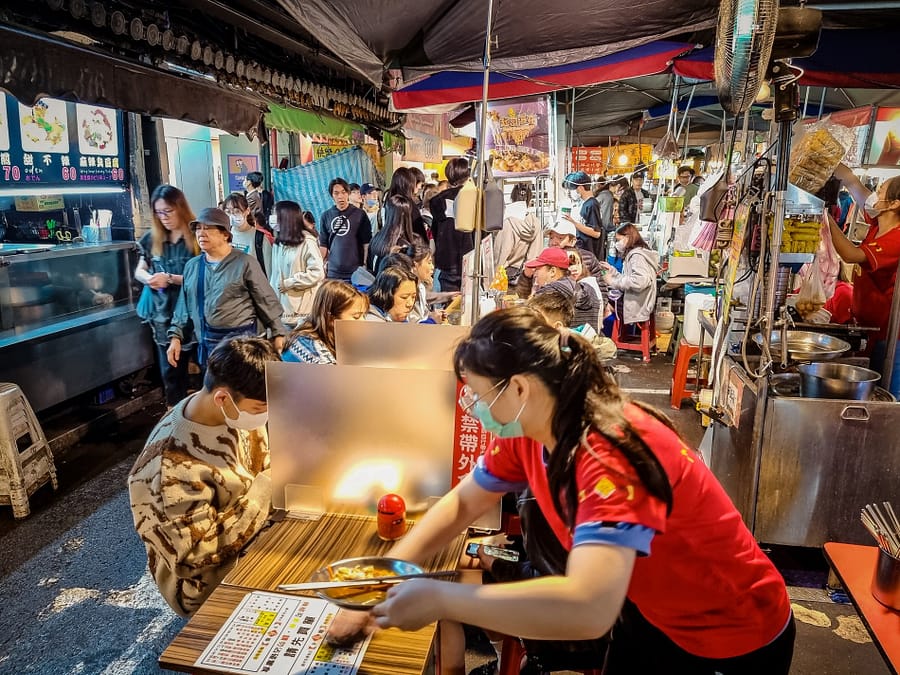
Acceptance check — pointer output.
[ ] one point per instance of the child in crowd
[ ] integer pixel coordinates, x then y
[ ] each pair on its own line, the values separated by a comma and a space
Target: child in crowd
313, 340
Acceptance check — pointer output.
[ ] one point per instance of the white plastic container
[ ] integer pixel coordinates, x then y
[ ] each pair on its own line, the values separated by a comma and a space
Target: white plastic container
693, 304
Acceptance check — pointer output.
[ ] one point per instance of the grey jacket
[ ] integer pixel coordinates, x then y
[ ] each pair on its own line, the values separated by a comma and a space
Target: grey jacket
237, 293
638, 284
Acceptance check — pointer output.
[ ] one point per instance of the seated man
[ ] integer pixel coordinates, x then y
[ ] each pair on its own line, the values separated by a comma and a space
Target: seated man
200, 490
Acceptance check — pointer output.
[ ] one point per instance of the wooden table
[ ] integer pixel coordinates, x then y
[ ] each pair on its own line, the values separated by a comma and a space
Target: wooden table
855, 566
288, 552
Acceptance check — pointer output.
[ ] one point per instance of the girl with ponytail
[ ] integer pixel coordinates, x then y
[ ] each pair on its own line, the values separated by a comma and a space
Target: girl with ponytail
639, 513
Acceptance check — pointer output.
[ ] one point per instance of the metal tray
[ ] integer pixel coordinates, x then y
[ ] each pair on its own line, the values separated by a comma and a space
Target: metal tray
788, 385
351, 597
805, 345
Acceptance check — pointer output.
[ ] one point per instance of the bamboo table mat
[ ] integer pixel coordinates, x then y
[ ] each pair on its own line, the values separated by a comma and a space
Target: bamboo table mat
291, 550
391, 652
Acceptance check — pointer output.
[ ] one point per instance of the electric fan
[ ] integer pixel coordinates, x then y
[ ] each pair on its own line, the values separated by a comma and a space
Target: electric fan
744, 40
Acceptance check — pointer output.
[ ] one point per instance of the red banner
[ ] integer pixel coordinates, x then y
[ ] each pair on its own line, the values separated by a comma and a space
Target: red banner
469, 441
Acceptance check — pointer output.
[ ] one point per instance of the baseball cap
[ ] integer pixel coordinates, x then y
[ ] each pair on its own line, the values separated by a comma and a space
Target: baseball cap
213, 216
366, 188
553, 256
564, 227
576, 178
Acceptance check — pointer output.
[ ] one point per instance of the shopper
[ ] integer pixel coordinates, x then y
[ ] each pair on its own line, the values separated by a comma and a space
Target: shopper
404, 184
165, 250
639, 513
636, 284
423, 265
297, 265
355, 195
200, 490
588, 296
224, 294
562, 234
344, 234
606, 201
313, 340
393, 295
397, 233
626, 202
521, 238
450, 245
247, 235
589, 224
258, 198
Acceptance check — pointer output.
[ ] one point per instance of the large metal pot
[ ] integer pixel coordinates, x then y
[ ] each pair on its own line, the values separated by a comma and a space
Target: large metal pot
804, 345
837, 380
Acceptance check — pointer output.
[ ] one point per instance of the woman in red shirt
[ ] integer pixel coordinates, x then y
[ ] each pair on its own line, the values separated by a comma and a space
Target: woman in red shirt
640, 514
877, 256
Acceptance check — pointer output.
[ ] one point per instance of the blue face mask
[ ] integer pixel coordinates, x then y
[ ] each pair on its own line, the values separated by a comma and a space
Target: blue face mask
482, 411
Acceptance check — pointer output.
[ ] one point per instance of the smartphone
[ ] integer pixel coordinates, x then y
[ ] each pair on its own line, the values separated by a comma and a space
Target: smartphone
495, 551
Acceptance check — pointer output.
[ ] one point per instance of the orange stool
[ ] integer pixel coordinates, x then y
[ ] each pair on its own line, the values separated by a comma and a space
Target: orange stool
686, 352
643, 343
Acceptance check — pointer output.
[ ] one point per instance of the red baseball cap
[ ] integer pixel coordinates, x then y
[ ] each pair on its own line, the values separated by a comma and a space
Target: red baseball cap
553, 256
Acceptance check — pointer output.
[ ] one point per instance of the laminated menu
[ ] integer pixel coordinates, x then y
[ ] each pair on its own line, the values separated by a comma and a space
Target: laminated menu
814, 158
280, 635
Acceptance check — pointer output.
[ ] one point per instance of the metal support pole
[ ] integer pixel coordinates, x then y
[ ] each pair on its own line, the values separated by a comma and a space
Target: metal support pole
482, 174
887, 369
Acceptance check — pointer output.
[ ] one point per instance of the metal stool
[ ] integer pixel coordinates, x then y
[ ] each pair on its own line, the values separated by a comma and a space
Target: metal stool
23, 468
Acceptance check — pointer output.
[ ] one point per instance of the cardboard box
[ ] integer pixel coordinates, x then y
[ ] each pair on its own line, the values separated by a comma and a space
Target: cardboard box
40, 203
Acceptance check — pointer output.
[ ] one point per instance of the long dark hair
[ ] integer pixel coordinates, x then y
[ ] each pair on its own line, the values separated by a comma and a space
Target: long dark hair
291, 224
518, 341
332, 298
397, 230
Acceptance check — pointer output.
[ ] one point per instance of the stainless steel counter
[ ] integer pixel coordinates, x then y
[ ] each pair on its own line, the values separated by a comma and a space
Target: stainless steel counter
67, 319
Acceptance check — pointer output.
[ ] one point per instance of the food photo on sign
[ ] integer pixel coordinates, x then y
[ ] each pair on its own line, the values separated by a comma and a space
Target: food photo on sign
518, 137
885, 147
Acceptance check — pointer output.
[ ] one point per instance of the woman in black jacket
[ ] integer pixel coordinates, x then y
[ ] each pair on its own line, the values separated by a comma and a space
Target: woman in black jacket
450, 245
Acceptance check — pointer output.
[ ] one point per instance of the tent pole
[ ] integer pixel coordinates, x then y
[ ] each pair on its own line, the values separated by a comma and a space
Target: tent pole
482, 174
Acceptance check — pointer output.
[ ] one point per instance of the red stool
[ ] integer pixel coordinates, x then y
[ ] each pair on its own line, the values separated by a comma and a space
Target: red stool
686, 352
643, 343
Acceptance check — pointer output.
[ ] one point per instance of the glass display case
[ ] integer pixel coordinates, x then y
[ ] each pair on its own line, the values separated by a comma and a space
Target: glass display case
67, 318
41, 286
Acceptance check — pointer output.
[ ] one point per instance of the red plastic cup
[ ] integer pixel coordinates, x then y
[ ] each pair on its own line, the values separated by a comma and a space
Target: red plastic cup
391, 517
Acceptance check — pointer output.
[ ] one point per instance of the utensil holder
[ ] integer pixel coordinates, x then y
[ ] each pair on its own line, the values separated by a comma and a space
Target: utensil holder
886, 582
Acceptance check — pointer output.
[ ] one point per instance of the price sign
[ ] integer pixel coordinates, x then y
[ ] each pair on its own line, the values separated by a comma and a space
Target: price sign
54, 143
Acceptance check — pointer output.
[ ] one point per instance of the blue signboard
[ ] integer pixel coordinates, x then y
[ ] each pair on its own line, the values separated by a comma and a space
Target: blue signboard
59, 144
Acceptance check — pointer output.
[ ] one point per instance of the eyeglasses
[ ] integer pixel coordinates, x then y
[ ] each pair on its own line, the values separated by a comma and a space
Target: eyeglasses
468, 398
234, 212
164, 213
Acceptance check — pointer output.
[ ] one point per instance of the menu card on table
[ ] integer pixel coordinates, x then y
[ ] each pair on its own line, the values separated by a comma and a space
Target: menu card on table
280, 635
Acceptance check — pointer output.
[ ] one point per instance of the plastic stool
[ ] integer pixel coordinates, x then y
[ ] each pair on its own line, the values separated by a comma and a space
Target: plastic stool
686, 352
22, 471
511, 655
644, 343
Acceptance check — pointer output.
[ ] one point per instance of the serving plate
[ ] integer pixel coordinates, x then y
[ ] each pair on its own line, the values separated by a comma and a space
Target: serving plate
350, 597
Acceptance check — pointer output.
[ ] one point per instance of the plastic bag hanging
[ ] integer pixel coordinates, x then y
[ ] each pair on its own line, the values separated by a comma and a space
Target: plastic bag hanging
494, 203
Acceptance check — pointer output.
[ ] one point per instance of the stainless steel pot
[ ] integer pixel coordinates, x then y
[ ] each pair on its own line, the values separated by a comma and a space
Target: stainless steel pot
837, 380
804, 345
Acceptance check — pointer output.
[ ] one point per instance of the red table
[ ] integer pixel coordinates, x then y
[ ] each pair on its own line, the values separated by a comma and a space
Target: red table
854, 566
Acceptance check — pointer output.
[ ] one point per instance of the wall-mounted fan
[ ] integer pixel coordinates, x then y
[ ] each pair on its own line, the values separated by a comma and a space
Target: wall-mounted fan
744, 40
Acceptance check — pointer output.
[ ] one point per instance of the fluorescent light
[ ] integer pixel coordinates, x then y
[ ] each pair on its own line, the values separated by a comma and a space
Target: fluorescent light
41, 191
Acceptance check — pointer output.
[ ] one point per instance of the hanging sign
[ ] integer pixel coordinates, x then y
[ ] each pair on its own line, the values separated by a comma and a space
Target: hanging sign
238, 168
54, 143
885, 147
518, 136
614, 159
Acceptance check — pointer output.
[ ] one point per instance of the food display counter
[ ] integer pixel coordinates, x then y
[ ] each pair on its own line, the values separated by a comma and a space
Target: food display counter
67, 318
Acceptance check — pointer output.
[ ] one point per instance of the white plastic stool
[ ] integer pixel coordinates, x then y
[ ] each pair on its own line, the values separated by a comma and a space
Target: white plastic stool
22, 471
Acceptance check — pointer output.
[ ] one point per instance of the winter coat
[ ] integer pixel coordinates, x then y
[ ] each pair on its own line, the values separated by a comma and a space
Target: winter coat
637, 281
301, 270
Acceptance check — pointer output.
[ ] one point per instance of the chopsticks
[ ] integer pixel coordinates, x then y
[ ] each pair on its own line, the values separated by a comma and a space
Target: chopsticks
375, 581
883, 526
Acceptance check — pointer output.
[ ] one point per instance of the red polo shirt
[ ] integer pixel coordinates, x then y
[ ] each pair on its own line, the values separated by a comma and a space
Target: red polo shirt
873, 288
700, 576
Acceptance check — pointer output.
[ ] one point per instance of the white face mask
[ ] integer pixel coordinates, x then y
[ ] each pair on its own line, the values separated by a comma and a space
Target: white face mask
236, 219
620, 245
245, 420
871, 210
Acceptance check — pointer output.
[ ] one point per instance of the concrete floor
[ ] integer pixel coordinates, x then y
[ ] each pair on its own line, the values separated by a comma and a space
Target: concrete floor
77, 600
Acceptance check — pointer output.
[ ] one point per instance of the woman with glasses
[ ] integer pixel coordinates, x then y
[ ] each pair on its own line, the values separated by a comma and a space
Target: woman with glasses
224, 294
165, 250
652, 539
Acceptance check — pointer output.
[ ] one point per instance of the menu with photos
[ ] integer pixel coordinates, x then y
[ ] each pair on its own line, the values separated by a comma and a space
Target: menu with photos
280, 635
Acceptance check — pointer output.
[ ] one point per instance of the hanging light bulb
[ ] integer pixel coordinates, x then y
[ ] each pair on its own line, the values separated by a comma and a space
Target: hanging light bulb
623, 159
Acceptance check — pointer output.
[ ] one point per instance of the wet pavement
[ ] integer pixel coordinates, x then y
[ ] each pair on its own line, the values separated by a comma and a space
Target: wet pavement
77, 598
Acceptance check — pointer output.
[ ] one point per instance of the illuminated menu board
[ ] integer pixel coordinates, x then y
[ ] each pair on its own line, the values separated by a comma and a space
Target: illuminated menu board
55, 143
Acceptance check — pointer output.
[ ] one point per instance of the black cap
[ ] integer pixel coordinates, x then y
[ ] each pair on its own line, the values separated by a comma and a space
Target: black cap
366, 188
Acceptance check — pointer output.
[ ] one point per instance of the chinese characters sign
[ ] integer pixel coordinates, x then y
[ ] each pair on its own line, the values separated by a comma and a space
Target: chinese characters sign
518, 136
469, 441
597, 161
54, 143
